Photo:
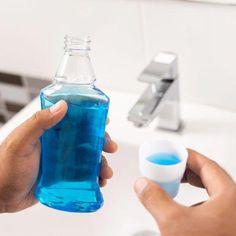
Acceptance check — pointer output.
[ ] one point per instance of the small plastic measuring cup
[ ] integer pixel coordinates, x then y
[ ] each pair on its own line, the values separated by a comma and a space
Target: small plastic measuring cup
167, 176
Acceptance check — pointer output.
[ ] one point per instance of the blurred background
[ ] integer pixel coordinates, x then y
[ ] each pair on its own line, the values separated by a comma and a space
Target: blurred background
125, 34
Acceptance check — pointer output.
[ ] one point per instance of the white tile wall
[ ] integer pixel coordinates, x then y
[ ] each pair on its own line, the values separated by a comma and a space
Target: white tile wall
126, 34
33, 36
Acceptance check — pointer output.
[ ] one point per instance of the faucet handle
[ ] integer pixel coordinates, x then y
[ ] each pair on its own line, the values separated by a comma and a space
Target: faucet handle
162, 66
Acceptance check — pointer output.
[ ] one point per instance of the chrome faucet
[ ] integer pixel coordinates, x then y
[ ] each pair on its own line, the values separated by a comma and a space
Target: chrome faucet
161, 98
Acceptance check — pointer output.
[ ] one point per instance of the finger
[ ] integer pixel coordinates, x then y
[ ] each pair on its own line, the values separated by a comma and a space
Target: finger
29, 132
155, 199
109, 145
106, 171
212, 176
108, 121
191, 178
102, 182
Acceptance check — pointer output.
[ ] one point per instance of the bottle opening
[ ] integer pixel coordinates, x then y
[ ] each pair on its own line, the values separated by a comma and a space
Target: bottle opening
75, 66
76, 43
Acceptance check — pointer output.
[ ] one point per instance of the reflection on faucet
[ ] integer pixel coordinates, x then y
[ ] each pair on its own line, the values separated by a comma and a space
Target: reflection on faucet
161, 98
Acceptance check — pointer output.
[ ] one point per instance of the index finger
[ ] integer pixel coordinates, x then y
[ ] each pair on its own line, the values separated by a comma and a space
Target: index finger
214, 178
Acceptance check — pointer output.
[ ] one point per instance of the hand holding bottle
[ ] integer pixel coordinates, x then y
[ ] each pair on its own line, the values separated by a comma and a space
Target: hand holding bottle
20, 157
215, 217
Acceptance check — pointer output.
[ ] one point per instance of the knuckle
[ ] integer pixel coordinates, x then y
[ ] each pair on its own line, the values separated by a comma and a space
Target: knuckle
37, 117
10, 145
41, 119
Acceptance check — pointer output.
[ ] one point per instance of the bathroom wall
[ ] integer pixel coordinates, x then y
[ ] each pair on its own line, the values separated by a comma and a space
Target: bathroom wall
16, 91
126, 34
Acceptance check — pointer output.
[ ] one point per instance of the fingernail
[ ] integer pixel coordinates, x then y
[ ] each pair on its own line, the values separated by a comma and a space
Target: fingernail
141, 184
56, 107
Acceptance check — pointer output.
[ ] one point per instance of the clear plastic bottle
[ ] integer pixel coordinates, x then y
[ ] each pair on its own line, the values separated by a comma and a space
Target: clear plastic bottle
71, 150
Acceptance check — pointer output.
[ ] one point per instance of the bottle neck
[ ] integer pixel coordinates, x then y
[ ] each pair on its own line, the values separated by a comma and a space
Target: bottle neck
75, 66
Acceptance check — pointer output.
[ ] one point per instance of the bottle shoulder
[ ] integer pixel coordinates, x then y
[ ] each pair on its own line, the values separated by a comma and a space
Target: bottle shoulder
66, 91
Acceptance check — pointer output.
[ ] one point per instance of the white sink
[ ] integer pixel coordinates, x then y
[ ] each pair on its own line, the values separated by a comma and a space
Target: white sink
122, 214
209, 130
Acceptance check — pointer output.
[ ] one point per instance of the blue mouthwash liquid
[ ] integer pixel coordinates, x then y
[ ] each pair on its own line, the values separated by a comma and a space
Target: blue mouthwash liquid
71, 150
167, 159
164, 159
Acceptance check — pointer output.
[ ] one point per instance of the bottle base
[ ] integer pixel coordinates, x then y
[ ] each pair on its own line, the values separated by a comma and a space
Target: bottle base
70, 200
79, 207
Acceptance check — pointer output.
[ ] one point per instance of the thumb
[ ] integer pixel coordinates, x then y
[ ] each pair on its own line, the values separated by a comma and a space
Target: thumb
28, 133
156, 200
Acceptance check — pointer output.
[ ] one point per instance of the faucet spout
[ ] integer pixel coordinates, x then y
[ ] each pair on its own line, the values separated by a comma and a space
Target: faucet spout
161, 97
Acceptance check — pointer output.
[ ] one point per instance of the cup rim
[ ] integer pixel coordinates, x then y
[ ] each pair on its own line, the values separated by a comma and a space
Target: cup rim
183, 158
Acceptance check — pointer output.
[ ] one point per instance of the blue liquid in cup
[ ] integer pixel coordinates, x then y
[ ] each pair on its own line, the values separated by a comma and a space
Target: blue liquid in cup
166, 159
